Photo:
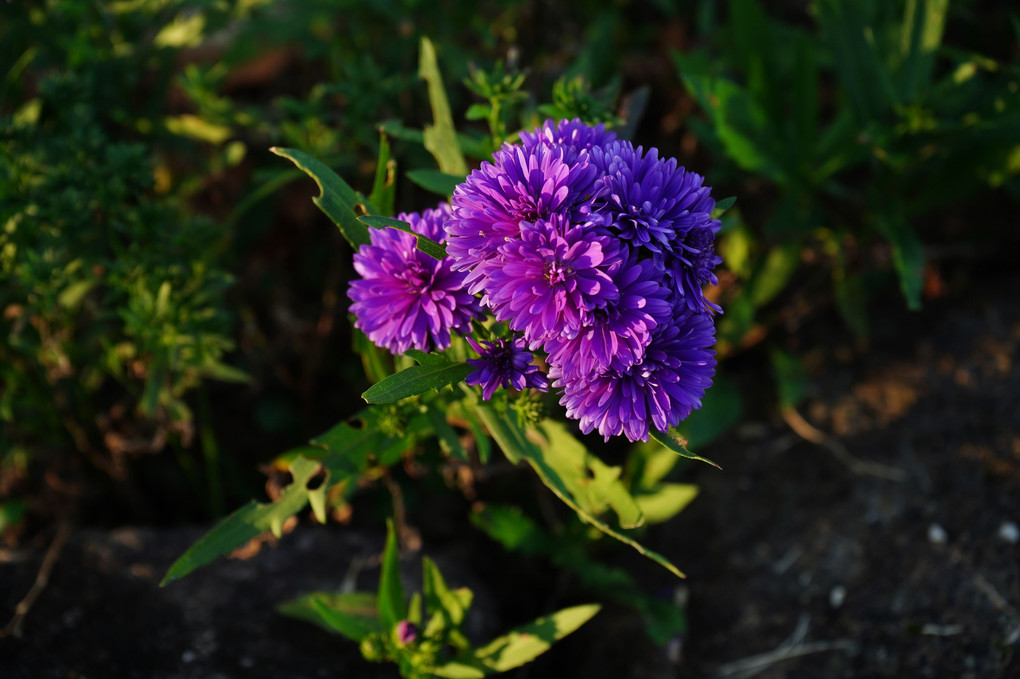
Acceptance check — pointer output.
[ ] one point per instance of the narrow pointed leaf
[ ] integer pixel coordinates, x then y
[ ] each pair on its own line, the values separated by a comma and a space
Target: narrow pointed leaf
676, 442
391, 604
440, 137
351, 614
426, 245
435, 181
415, 380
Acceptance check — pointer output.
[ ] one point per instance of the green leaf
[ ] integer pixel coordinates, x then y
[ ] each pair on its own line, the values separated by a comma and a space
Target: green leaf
384, 188
391, 604
423, 358
549, 476
247, 522
449, 442
920, 37
774, 273
441, 137
351, 614
447, 607
336, 198
791, 378
721, 407
435, 181
908, 256
525, 643
851, 302
415, 380
377, 363
507, 433
594, 485
426, 245
721, 206
857, 62
676, 442
666, 501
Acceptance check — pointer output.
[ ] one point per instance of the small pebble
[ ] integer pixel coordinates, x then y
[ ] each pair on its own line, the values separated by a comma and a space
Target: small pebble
188, 656
1009, 532
937, 534
837, 596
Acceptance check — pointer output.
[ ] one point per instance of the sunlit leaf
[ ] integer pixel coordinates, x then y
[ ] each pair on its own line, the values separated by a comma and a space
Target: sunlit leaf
351, 614
415, 380
440, 137
391, 604
247, 522
425, 244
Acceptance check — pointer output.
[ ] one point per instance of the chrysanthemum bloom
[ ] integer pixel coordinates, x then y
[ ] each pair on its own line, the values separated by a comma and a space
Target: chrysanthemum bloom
406, 299
648, 200
691, 263
616, 334
661, 389
504, 363
431, 223
551, 279
519, 185
572, 134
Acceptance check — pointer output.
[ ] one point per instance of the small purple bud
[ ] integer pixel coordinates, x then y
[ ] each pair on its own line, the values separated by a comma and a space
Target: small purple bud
407, 632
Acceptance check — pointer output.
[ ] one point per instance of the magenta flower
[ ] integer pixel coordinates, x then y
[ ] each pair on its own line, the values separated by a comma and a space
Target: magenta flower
660, 390
550, 280
406, 299
504, 363
519, 185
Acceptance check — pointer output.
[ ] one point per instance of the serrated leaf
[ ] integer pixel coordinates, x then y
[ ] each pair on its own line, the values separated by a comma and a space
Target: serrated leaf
247, 522
676, 442
440, 137
425, 244
415, 380
435, 181
391, 604
351, 614
336, 198
525, 643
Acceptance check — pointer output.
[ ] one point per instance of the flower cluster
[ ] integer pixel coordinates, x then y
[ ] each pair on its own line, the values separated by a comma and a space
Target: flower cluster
594, 252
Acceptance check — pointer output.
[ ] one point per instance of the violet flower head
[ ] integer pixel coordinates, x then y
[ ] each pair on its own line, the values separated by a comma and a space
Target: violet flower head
504, 363
550, 281
691, 265
617, 334
572, 134
431, 223
648, 200
406, 299
519, 185
661, 389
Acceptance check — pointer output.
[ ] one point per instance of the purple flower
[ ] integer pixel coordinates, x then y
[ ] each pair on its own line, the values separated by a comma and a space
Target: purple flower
407, 632
617, 334
519, 185
647, 200
661, 389
405, 298
573, 134
550, 280
504, 363
691, 264
431, 223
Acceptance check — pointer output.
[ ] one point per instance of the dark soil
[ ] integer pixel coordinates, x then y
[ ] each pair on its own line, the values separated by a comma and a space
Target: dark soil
799, 563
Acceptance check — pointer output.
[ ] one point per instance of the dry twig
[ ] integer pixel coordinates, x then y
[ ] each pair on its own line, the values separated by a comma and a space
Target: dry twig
42, 578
